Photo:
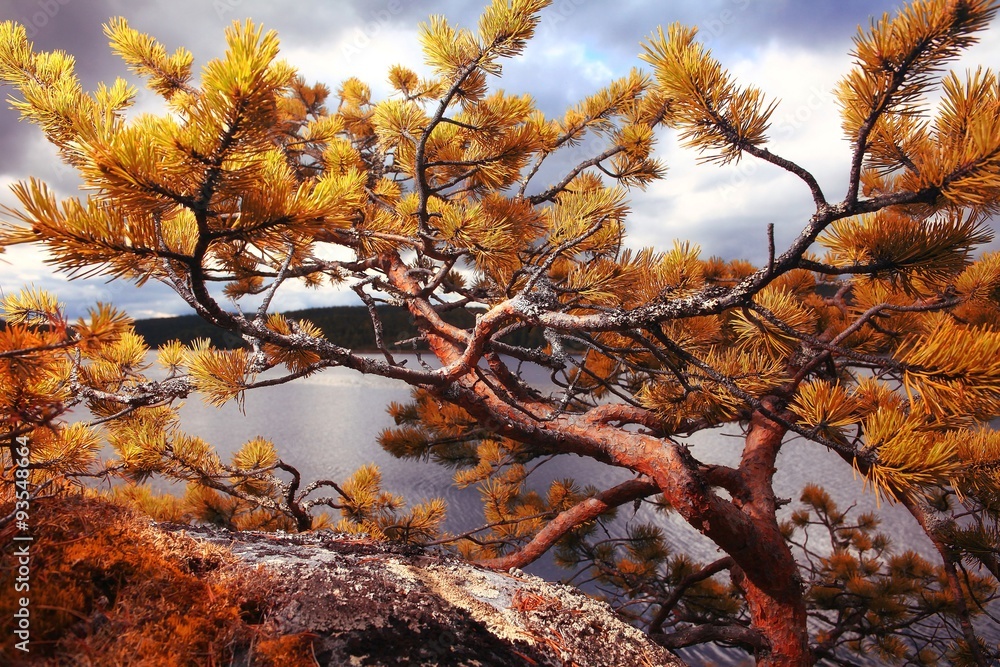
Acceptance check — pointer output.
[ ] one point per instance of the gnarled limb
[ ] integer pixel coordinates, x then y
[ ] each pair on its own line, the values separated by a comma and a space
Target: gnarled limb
582, 512
701, 634
954, 584
707, 572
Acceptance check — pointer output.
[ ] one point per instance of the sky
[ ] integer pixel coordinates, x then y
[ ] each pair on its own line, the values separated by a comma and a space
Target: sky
794, 51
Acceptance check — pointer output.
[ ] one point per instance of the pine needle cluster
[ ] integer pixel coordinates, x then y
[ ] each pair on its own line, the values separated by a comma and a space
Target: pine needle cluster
874, 333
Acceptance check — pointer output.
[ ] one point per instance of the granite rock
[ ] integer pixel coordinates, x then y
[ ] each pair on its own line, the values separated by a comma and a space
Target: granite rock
376, 603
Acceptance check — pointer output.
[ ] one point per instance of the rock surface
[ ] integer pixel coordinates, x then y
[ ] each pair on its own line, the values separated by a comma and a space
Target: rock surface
371, 603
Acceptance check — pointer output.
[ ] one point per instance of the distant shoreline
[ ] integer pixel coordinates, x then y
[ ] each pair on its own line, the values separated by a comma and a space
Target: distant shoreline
347, 326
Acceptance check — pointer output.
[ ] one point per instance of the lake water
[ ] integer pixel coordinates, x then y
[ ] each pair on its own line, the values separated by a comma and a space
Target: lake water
326, 426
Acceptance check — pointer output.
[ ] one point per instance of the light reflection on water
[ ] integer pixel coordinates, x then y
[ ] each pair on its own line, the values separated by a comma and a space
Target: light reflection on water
326, 426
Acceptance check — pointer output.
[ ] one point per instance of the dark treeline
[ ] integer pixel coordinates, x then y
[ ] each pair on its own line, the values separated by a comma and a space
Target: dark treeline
348, 326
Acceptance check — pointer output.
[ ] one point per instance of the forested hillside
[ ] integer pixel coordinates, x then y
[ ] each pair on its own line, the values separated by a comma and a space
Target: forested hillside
350, 326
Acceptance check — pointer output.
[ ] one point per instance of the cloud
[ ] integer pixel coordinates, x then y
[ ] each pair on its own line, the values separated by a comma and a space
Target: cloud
726, 209
794, 51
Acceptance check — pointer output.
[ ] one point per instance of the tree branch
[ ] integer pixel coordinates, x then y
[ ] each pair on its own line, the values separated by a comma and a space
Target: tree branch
582, 512
954, 584
739, 635
707, 572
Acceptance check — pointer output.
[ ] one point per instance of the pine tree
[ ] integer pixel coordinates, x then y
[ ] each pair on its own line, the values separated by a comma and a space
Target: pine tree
875, 333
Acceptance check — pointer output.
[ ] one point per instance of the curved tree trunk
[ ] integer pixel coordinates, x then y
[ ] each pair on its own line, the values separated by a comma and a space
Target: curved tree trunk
778, 613
746, 528
768, 573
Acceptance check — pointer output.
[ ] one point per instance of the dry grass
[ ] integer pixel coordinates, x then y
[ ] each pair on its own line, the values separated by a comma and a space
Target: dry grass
107, 589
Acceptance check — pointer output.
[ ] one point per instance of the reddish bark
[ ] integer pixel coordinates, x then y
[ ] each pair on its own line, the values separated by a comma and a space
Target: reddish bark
582, 512
746, 527
772, 587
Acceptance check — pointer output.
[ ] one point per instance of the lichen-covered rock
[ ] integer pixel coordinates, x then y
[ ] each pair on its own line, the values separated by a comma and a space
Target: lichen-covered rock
371, 603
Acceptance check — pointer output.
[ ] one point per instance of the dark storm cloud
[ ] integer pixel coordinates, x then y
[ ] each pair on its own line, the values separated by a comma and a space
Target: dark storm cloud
579, 46
73, 26
612, 33
615, 30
